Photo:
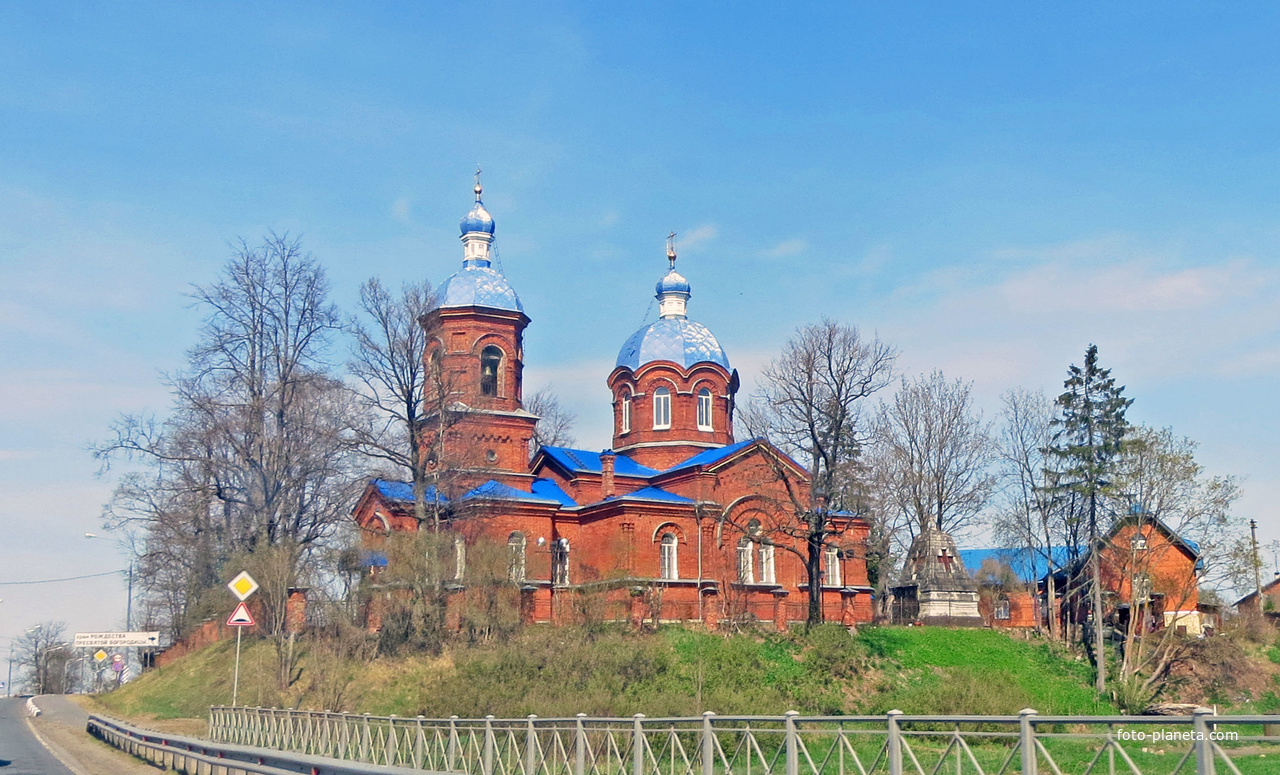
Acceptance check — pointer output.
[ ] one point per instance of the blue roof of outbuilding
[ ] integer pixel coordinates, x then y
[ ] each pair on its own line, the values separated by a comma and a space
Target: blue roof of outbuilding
549, 490
583, 460
1027, 565
403, 491
499, 491
653, 494
711, 456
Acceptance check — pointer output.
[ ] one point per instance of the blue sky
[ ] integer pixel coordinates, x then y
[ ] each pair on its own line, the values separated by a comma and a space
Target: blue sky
989, 187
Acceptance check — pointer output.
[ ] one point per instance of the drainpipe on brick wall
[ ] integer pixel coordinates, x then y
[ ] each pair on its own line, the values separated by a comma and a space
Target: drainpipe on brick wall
697, 518
607, 459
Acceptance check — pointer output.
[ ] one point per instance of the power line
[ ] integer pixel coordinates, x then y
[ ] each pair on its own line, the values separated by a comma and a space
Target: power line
68, 578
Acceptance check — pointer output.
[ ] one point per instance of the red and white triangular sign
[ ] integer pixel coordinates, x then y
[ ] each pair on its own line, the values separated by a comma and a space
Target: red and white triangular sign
241, 617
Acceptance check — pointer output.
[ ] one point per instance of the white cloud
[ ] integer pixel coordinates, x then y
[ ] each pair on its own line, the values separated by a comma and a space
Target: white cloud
786, 248
1006, 323
697, 236
401, 210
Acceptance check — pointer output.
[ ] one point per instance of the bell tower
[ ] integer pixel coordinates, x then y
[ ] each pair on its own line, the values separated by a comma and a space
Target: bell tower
474, 359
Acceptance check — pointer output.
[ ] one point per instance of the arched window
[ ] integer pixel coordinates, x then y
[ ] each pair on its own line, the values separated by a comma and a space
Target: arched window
560, 561
515, 559
661, 409
746, 563
755, 557
669, 560
626, 412
490, 365
704, 410
833, 567
459, 557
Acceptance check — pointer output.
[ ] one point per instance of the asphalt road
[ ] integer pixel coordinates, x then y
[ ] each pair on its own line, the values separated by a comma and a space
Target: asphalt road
20, 752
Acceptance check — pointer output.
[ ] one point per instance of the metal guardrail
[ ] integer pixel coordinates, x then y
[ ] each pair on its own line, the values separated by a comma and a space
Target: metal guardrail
191, 756
895, 744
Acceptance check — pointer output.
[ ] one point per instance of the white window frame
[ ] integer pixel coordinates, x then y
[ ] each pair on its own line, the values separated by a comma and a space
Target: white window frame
626, 412
834, 576
746, 562
706, 405
1002, 612
516, 563
560, 562
459, 557
768, 571
669, 557
661, 409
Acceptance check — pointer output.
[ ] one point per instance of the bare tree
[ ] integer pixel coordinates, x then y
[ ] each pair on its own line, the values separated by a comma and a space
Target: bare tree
936, 452
810, 404
387, 362
42, 654
555, 423
1160, 480
253, 454
1028, 518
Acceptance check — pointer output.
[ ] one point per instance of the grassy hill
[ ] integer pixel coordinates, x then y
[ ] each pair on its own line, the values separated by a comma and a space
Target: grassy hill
676, 671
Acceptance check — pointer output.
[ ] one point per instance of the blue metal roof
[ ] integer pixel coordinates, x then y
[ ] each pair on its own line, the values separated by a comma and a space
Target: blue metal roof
1026, 564
711, 456
403, 491
673, 282
478, 284
672, 339
478, 219
373, 559
549, 490
499, 491
582, 460
652, 494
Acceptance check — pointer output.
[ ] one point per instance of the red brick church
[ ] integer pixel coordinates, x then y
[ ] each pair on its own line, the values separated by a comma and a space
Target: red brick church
676, 511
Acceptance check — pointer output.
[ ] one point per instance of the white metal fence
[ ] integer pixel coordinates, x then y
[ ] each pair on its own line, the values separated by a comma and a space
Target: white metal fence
791, 744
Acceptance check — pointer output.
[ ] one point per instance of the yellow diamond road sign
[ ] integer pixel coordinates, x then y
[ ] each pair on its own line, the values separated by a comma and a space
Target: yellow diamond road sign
100, 655
242, 586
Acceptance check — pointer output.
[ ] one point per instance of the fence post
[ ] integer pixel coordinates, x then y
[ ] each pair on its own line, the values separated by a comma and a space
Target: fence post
793, 744
451, 754
1203, 745
1027, 740
530, 746
637, 746
580, 747
486, 762
708, 744
894, 743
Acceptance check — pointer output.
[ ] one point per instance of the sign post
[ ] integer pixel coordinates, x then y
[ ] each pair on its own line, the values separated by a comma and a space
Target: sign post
242, 586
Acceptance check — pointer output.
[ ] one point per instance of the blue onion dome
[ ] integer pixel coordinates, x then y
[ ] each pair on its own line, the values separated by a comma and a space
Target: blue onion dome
478, 219
673, 282
478, 286
680, 340
673, 336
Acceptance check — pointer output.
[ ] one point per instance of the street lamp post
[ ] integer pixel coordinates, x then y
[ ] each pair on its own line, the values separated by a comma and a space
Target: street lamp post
128, 605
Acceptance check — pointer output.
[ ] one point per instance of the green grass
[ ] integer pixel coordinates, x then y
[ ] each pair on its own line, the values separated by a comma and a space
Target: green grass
978, 671
676, 671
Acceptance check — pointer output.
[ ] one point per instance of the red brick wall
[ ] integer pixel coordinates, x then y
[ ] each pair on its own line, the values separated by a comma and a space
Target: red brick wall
1170, 568
1023, 611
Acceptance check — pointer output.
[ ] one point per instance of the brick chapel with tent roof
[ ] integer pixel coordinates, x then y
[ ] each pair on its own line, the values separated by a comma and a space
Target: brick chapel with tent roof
677, 505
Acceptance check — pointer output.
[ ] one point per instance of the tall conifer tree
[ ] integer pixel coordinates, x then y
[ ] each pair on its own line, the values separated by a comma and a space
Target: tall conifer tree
1088, 438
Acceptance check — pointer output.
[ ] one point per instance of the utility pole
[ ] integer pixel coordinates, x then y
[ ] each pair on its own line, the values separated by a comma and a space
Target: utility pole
1257, 561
